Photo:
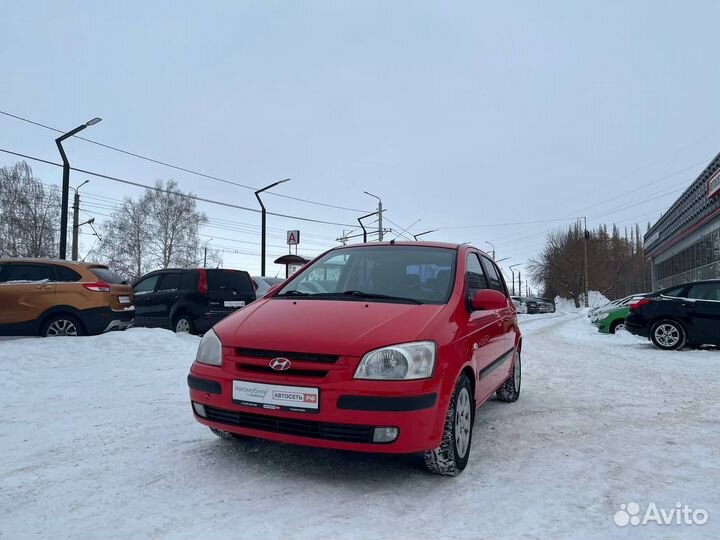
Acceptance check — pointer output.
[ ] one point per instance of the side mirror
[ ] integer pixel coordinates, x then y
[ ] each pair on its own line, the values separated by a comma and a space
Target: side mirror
486, 299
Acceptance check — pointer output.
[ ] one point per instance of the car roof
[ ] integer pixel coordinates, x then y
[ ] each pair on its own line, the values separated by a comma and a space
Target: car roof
419, 243
61, 262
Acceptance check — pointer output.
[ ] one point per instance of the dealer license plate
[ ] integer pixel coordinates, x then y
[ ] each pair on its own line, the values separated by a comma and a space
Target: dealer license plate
124, 299
276, 397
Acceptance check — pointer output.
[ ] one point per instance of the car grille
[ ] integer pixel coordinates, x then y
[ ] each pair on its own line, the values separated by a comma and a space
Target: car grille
292, 372
291, 426
304, 357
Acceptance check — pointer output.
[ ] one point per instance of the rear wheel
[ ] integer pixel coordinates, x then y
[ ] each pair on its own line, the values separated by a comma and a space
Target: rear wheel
668, 335
183, 325
451, 457
510, 390
62, 325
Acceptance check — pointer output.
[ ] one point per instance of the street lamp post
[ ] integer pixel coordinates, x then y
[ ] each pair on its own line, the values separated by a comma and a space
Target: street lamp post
264, 221
380, 213
513, 277
493, 248
66, 183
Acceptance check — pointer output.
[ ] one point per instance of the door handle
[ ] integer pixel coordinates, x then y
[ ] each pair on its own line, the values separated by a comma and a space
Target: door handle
44, 287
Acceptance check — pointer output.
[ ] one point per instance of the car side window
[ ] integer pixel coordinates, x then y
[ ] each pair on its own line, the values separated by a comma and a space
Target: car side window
705, 291
675, 292
65, 274
28, 272
474, 277
190, 280
146, 286
493, 277
170, 282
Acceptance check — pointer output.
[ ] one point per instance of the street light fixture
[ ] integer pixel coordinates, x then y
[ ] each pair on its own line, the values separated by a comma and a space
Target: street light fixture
66, 183
264, 221
493, 248
380, 213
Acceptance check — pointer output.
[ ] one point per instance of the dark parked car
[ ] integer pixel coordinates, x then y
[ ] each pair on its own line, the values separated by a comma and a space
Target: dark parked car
687, 314
549, 303
190, 300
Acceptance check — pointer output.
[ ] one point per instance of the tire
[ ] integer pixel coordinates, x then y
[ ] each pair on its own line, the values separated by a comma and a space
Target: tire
183, 324
617, 325
62, 325
225, 434
668, 335
451, 457
509, 392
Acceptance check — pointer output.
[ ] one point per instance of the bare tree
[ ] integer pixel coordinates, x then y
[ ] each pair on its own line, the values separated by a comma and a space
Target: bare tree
176, 223
126, 239
29, 214
159, 230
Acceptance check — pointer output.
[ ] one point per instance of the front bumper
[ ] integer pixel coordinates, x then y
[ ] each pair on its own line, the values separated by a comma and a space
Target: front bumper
349, 413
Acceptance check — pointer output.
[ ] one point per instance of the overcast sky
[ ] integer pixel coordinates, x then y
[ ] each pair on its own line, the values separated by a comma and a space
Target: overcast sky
461, 114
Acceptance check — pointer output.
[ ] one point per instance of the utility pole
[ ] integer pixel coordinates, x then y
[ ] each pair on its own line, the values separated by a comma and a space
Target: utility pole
519, 283
380, 215
205, 252
264, 223
513, 277
586, 234
76, 220
66, 183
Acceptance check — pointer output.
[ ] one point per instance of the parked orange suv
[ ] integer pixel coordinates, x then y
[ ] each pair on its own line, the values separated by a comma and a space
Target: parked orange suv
51, 297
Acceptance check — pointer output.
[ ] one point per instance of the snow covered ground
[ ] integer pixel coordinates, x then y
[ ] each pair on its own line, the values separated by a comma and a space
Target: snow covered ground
97, 441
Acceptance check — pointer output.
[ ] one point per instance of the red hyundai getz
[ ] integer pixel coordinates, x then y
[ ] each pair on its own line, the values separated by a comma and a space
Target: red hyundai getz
384, 347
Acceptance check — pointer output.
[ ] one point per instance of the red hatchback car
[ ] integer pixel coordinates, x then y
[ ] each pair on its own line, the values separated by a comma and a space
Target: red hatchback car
385, 347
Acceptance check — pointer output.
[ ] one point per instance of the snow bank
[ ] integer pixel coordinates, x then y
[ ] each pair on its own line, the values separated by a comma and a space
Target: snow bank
98, 441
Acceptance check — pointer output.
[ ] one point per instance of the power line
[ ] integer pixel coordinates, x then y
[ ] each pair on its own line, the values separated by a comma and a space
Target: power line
187, 195
179, 168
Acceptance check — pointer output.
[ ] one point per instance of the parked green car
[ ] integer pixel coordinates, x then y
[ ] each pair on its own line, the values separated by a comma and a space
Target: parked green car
610, 321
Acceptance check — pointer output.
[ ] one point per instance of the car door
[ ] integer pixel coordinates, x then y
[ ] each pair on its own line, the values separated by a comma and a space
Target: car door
26, 291
166, 294
143, 292
704, 310
484, 332
507, 315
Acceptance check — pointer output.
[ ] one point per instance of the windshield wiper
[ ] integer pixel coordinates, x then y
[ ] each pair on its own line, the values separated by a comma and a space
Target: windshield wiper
294, 293
362, 294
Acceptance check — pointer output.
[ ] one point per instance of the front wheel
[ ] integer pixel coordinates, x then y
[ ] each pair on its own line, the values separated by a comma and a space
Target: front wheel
451, 457
510, 390
668, 335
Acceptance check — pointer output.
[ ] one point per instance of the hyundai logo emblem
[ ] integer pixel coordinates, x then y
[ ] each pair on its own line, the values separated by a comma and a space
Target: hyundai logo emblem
280, 364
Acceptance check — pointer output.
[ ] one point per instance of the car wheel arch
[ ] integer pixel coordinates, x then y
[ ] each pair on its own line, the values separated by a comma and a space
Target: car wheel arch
60, 310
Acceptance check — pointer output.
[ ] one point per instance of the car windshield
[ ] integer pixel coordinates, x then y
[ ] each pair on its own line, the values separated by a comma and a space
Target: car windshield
410, 274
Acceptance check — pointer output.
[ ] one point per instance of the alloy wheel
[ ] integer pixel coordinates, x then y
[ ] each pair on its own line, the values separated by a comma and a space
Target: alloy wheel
667, 335
463, 422
62, 327
183, 325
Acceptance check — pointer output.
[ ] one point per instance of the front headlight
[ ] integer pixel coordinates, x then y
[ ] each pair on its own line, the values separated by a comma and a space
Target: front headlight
399, 362
603, 316
210, 350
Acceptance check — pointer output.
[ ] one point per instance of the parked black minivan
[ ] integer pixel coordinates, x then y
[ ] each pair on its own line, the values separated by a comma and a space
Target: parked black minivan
190, 300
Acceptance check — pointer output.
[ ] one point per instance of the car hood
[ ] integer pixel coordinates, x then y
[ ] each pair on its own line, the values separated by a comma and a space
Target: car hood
338, 327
